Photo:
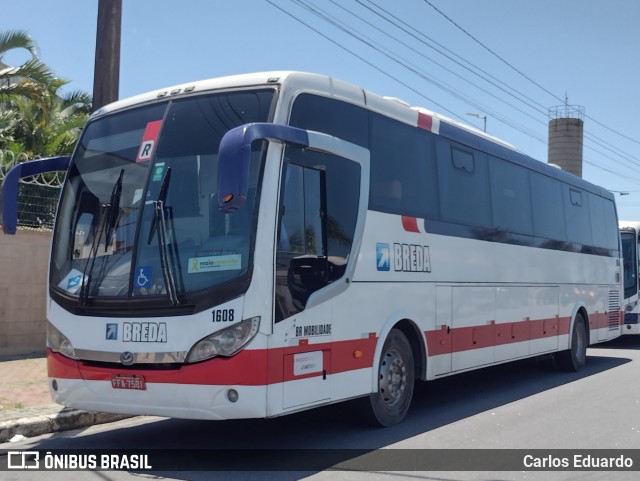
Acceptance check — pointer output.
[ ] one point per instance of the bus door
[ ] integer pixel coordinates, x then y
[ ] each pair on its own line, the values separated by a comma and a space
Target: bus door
322, 203
321, 207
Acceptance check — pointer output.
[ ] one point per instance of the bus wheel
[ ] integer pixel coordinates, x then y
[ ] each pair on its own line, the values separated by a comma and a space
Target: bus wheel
390, 403
575, 358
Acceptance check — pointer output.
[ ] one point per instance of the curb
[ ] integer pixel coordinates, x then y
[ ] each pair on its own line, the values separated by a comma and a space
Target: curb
64, 420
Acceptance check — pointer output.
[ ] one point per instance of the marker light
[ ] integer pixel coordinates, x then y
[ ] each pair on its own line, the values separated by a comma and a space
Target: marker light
232, 395
225, 342
58, 342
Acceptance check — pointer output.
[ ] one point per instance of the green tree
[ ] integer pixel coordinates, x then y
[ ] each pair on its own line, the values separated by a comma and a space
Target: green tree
36, 117
26, 81
51, 127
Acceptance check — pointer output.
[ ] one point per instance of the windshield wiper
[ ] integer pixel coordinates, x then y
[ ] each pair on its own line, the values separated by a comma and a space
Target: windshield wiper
109, 213
114, 209
159, 226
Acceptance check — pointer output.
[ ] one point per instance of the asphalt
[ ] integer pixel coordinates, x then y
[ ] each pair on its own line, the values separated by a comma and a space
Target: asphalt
26, 408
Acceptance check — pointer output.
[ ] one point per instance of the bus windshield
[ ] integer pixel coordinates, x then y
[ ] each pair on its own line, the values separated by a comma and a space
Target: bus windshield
629, 245
138, 217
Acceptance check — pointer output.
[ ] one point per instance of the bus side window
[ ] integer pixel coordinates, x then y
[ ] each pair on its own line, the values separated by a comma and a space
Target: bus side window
318, 209
302, 260
300, 212
463, 177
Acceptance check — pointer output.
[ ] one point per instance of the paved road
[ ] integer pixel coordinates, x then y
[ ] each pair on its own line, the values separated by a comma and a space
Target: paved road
516, 406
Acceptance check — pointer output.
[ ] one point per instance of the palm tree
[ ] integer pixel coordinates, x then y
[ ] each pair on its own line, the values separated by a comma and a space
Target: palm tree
26, 80
8, 122
51, 127
36, 118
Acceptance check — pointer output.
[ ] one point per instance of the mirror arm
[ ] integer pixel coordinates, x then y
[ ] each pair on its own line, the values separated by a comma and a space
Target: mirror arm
235, 154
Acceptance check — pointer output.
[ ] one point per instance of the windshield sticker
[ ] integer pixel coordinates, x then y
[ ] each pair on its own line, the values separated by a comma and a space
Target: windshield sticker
143, 276
149, 138
231, 262
137, 196
72, 282
158, 172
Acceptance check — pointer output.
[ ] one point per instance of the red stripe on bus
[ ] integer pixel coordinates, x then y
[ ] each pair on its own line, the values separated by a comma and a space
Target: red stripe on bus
250, 367
425, 121
410, 224
258, 367
451, 340
599, 320
445, 341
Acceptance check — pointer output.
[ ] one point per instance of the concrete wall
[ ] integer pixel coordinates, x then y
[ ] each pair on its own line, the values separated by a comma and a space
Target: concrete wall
24, 261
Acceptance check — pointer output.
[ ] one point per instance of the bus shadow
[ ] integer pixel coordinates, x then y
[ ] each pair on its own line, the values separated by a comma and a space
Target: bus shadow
631, 341
301, 444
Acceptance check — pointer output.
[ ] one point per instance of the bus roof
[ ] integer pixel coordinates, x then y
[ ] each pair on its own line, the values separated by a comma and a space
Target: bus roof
630, 225
295, 82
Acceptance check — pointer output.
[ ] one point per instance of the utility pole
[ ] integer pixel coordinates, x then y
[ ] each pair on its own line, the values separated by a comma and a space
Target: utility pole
106, 73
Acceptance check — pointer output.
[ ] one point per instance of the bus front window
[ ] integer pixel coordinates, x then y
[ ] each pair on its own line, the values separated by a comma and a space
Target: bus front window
138, 217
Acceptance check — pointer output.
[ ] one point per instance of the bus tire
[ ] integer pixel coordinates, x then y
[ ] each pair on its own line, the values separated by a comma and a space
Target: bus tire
396, 378
575, 358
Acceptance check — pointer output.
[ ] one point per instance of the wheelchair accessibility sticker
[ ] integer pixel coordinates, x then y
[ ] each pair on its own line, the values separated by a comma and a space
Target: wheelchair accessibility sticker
143, 276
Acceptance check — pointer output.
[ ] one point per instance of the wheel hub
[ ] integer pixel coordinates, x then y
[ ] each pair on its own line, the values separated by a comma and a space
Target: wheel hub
393, 378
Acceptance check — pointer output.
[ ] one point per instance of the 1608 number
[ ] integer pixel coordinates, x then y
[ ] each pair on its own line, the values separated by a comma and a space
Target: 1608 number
223, 315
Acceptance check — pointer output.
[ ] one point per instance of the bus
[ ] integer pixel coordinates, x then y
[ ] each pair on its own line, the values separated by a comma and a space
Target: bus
630, 239
261, 244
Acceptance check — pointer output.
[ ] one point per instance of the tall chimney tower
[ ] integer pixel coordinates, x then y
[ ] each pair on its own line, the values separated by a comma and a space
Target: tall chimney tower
566, 124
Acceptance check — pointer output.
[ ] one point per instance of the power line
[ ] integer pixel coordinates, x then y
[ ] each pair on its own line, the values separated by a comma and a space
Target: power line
539, 108
521, 73
359, 57
395, 58
352, 31
536, 105
611, 171
459, 60
491, 51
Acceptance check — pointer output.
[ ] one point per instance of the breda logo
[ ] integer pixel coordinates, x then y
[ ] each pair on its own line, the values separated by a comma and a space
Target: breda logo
411, 258
144, 332
403, 257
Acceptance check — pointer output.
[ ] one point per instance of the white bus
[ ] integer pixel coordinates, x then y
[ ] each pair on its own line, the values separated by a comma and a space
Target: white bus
257, 245
630, 239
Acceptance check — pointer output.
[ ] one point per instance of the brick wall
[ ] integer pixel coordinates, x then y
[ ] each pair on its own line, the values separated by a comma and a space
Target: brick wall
24, 261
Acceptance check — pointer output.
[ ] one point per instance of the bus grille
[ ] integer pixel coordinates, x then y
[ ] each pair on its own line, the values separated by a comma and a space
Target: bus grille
614, 310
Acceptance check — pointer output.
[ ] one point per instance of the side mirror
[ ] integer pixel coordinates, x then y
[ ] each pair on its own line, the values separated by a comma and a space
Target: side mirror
235, 155
9, 218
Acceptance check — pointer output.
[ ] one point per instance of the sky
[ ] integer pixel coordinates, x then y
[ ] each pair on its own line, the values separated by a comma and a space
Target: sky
507, 60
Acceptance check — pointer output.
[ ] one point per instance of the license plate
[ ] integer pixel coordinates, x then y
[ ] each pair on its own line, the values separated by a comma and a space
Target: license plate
128, 382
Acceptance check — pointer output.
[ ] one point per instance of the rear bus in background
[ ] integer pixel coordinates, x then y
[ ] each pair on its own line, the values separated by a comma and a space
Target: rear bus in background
630, 239
257, 245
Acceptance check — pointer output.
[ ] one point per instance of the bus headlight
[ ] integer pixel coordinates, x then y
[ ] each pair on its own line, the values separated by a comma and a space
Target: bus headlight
58, 342
225, 342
